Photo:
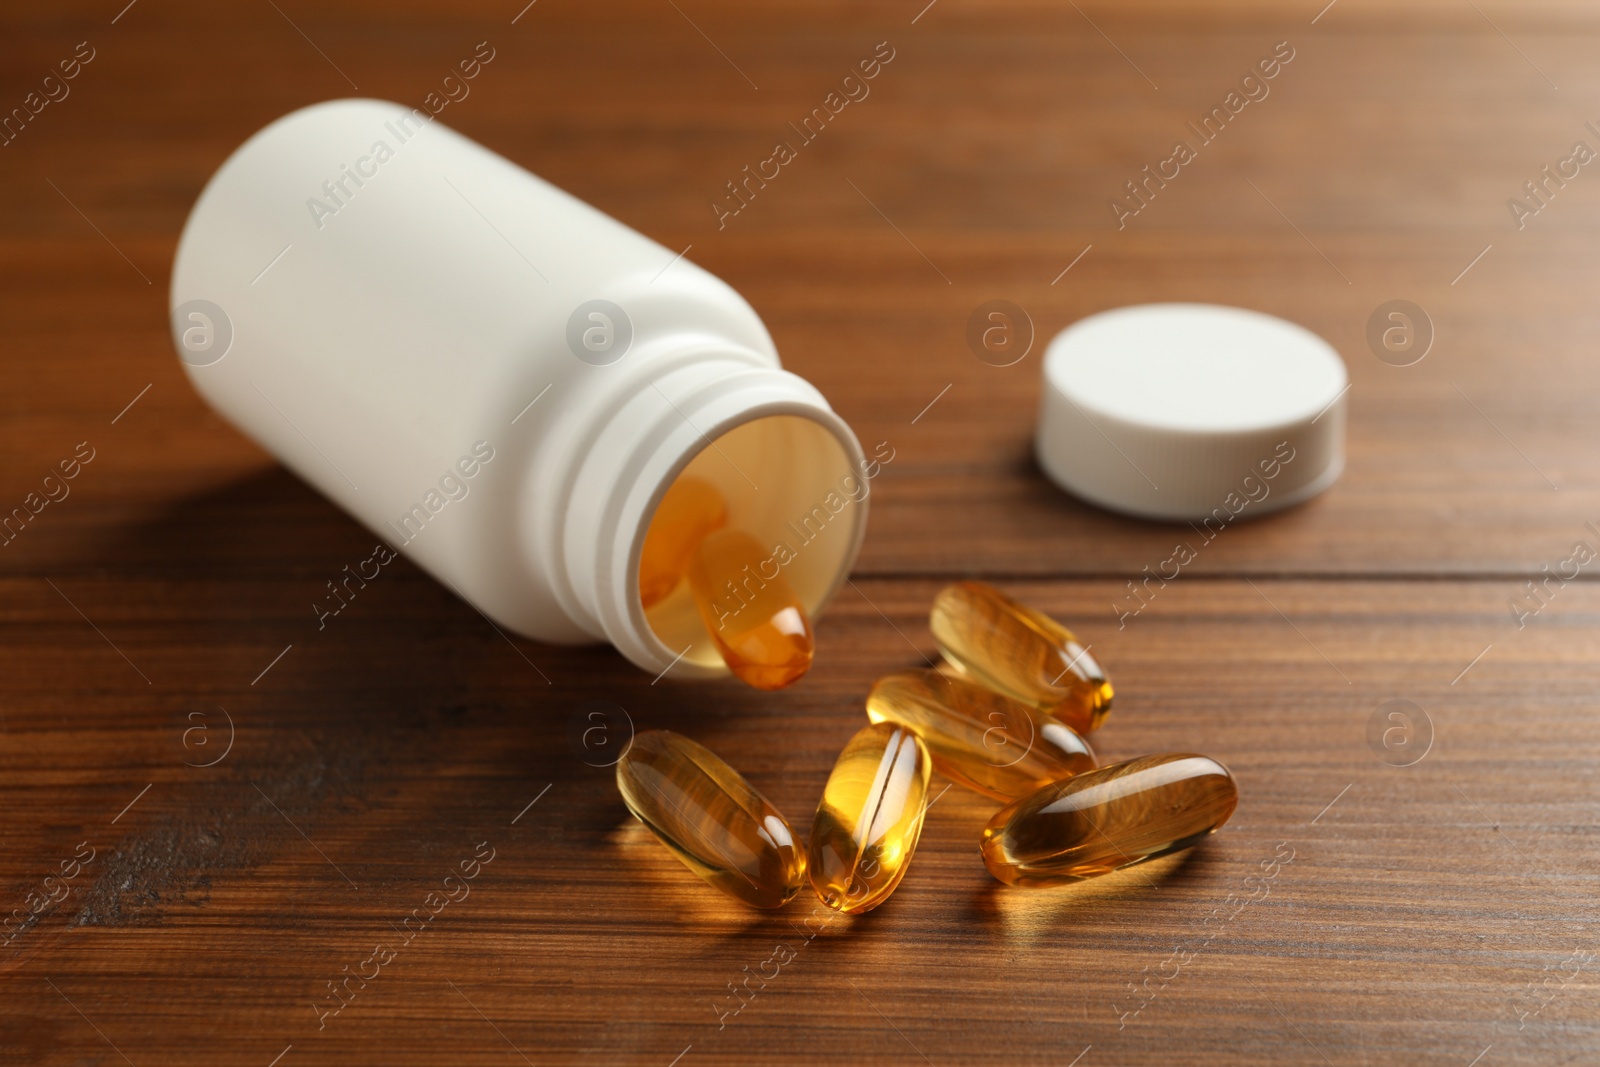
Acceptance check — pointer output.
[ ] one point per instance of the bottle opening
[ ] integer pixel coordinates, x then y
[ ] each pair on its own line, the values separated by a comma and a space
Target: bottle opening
786, 481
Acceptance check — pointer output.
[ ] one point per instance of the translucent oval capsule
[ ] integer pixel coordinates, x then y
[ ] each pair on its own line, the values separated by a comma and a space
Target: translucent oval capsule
758, 624
1108, 818
979, 738
870, 818
691, 508
1020, 652
711, 818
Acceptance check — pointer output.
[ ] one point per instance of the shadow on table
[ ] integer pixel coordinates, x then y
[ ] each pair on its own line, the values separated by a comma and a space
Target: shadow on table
1030, 915
395, 735
398, 729
267, 524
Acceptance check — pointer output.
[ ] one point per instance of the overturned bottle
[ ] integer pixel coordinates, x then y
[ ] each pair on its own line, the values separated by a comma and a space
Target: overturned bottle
500, 380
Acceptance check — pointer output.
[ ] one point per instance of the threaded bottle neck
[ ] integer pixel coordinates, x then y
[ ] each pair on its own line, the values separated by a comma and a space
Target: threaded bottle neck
789, 467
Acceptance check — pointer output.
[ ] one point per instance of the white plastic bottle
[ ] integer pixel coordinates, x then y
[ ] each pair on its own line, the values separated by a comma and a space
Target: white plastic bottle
497, 379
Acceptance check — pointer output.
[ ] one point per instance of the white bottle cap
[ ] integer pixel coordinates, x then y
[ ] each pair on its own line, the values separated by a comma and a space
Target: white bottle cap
1190, 411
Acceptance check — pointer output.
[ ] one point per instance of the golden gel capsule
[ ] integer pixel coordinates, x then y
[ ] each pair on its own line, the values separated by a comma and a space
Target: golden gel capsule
690, 509
1108, 818
1020, 652
759, 625
977, 737
870, 818
711, 818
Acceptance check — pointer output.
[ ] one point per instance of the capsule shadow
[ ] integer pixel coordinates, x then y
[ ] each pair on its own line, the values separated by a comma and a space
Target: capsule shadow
1032, 914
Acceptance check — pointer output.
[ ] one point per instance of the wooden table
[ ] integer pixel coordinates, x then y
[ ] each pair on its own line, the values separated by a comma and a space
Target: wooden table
1439, 912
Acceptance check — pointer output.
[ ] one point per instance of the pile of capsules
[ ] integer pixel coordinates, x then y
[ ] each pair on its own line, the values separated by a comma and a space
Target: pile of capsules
1005, 716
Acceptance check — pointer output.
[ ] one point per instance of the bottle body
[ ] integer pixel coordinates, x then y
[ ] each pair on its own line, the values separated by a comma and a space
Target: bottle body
497, 379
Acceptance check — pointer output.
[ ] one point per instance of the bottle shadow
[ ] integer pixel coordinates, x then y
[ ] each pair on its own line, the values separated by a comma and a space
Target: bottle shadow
402, 724
264, 525
405, 727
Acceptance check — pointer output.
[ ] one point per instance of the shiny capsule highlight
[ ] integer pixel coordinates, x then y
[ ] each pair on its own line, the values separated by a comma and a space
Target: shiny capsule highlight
867, 825
1020, 652
979, 738
759, 626
1108, 818
711, 818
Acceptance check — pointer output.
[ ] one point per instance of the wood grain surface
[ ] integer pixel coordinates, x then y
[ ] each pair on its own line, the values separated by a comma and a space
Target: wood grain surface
250, 808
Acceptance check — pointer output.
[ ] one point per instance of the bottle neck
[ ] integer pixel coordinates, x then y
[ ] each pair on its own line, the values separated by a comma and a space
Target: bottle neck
792, 470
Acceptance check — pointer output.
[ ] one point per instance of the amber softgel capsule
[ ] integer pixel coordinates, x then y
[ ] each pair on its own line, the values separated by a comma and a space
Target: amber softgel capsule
711, 818
691, 508
1108, 818
1020, 652
759, 626
870, 818
978, 738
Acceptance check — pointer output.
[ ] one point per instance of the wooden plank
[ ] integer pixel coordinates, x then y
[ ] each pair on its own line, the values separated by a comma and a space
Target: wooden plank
1430, 912
207, 927
1002, 199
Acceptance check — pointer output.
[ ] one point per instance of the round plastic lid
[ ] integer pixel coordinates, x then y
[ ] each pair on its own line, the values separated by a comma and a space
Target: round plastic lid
1191, 412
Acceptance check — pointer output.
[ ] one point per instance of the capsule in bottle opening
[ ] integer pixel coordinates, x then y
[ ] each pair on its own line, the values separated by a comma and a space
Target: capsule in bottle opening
691, 508
758, 624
